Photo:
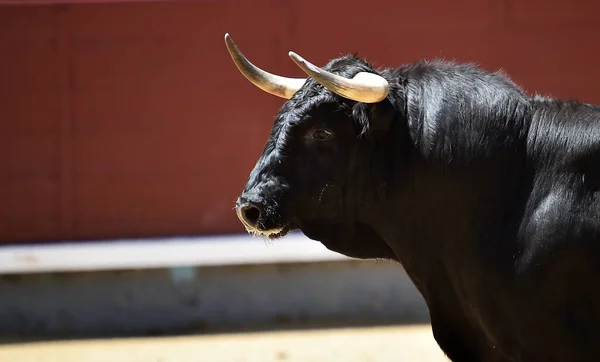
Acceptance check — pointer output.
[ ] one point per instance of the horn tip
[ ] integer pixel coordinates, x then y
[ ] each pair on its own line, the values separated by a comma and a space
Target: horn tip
230, 43
296, 58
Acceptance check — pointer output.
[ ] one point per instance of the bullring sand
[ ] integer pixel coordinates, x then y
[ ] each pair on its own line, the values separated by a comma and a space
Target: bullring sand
396, 343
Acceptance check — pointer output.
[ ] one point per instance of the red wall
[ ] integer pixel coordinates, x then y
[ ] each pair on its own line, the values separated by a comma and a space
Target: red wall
130, 120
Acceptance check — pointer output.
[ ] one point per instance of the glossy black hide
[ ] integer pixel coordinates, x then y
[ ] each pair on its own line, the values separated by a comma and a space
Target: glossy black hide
488, 198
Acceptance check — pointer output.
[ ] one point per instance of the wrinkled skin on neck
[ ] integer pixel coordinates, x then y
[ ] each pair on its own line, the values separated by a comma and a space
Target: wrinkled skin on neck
323, 169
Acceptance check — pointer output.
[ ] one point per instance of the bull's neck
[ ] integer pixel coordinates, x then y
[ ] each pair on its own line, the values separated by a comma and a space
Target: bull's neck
466, 133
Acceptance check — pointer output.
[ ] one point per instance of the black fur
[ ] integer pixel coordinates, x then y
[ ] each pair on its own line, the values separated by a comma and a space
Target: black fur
487, 196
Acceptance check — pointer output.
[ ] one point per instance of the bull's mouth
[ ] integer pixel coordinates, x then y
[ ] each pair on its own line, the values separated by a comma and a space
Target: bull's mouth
279, 233
272, 234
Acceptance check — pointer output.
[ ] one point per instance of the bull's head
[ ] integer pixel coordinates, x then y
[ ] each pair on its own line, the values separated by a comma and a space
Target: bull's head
322, 168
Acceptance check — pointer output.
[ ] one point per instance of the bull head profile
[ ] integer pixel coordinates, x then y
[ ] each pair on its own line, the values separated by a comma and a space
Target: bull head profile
307, 175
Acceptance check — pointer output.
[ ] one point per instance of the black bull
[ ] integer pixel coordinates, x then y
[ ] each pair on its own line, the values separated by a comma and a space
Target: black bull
488, 197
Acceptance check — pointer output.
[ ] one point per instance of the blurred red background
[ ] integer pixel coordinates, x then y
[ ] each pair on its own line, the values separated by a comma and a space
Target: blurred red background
128, 119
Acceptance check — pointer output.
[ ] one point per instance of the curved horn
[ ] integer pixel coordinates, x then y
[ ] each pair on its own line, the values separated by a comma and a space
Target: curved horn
280, 86
364, 87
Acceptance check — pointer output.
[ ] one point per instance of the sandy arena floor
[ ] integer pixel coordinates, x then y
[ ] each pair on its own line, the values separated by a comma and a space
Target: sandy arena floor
409, 343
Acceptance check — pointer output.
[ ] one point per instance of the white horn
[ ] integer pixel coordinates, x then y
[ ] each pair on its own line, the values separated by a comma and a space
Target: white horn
364, 87
280, 86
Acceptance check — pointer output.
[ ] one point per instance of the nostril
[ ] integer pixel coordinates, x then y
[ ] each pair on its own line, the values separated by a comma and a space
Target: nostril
251, 214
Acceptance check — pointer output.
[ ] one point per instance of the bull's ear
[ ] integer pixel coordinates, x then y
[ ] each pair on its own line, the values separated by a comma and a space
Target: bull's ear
376, 118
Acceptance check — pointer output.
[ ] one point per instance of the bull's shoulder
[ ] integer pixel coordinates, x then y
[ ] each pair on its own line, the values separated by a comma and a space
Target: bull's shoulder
563, 211
562, 218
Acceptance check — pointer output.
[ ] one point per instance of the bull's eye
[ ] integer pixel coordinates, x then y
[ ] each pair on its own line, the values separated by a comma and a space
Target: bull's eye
320, 134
